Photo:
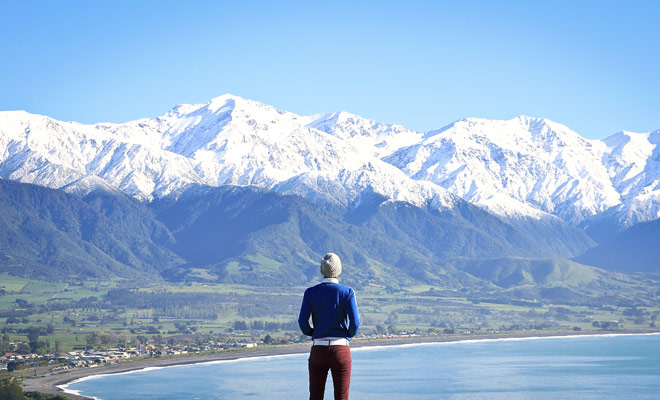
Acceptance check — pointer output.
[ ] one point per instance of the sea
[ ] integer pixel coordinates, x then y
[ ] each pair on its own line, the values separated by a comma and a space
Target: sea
571, 367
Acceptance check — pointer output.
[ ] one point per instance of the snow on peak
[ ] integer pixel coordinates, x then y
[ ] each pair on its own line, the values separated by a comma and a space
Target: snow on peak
532, 160
380, 139
346, 125
223, 99
228, 140
633, 162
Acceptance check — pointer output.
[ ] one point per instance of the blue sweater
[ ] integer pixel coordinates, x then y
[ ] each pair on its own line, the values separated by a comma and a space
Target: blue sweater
331, 306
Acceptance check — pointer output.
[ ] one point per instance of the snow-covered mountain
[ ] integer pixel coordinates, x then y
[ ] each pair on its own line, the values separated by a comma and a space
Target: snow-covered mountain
228, 141
521, 165
379, 138
524, 168
633, 162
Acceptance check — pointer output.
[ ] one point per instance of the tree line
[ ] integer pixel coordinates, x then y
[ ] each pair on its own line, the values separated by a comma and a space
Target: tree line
270, 326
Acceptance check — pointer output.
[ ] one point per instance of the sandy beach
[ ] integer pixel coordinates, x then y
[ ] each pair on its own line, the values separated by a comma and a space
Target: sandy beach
51, 384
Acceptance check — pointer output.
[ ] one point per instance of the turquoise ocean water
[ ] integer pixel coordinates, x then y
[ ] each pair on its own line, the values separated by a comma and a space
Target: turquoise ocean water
595, 367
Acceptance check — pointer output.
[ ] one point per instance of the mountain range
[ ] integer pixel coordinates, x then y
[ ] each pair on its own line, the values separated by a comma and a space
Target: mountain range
235, 190
524, 167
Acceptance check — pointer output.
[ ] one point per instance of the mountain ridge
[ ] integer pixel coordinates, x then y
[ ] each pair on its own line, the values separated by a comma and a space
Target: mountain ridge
248, 235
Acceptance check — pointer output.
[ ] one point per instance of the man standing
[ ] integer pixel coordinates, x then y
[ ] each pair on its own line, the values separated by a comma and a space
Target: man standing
331, 307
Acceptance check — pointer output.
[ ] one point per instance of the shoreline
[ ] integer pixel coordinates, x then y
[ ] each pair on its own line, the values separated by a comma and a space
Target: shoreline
52, 384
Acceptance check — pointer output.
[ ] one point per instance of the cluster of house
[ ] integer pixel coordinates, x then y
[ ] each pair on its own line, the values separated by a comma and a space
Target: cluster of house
95, 358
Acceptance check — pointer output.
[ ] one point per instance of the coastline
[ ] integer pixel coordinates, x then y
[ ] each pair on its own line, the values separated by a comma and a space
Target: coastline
53, 384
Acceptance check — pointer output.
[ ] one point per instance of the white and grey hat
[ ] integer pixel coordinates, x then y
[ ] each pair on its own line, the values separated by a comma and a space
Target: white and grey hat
331, 265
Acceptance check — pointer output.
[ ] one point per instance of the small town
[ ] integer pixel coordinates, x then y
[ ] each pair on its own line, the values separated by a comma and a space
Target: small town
45, 364
57, 362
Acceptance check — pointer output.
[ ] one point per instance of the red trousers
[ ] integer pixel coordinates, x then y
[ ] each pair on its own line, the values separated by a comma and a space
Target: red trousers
338, 360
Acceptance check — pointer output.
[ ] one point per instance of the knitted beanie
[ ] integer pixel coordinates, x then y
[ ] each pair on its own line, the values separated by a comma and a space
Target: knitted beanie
331, 265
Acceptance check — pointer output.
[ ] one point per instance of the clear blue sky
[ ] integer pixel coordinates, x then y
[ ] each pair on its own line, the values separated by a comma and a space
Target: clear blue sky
591, 65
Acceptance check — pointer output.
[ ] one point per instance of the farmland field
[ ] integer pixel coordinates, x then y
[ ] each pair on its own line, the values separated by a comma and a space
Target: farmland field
118, 312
